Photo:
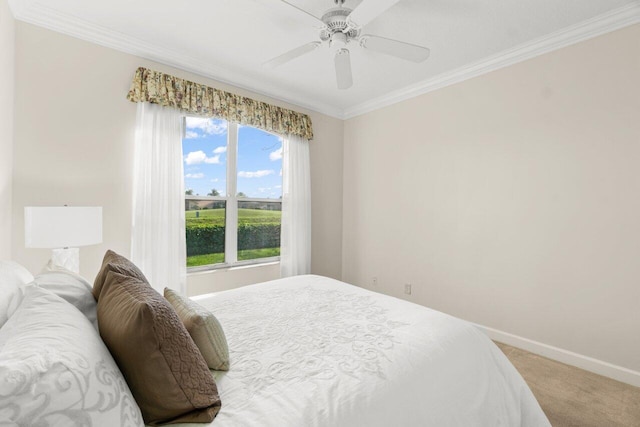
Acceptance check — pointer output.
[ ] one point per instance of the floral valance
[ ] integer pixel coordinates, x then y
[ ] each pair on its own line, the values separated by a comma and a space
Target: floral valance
169, 91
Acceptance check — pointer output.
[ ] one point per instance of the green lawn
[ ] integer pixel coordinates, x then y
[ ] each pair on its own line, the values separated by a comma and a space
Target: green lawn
216, 216
198, 260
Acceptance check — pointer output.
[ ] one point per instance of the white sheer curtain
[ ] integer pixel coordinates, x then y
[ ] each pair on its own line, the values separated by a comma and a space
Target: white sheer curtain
158, 237
295, 235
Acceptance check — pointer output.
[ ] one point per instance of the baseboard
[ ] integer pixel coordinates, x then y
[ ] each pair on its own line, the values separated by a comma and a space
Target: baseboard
570, 358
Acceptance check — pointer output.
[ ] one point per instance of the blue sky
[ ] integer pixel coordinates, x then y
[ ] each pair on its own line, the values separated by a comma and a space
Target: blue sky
205, 159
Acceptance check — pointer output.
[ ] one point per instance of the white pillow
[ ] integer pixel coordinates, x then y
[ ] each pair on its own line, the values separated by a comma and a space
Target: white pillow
12, 277
71, 287
55, 369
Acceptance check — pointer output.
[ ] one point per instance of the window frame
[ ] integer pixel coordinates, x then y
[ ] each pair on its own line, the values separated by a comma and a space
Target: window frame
231, 206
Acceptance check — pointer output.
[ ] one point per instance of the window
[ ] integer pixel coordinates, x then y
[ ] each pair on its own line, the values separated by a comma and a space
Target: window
233, 201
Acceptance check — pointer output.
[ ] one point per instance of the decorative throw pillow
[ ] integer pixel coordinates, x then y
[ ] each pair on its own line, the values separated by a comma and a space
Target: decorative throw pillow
163, 367
55, 369
204, 328
119, 264
12, 277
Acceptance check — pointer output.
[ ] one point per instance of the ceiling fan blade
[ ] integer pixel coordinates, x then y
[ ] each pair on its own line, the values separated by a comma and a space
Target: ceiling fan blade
410, 52
318, 20
292, 54
343, 69
367, 11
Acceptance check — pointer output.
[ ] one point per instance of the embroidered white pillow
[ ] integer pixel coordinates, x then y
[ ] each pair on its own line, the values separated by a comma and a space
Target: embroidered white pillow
12, 277
204, 328
55, 369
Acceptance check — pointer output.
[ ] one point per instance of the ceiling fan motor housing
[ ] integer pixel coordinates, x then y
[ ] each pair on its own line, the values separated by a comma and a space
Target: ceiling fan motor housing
336, 21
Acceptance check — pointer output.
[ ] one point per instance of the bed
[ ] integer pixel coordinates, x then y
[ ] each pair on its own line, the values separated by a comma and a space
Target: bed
303, 351
313, 351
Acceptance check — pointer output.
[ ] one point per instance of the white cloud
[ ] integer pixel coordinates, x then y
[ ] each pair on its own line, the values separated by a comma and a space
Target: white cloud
277, 186
276, 155
208, 126
256, 174
191, 135
198, 157
215, 180
194, 175
220, 150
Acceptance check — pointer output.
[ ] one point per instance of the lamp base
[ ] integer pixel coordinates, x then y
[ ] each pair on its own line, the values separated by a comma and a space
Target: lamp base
68, 258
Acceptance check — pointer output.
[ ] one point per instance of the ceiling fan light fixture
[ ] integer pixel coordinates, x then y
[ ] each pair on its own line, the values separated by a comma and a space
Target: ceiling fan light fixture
338, 41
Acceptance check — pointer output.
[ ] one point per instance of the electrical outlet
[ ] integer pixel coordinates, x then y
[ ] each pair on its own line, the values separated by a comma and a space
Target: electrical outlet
374, 282
407, 288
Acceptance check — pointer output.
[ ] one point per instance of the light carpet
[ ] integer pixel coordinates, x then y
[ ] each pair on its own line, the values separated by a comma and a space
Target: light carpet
572, 397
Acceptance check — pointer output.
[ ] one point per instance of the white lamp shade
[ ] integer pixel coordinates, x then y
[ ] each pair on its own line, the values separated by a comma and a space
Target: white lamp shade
61, 227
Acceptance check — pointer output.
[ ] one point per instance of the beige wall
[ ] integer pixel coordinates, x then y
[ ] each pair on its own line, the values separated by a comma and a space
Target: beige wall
74, 145
511, 200
7, 31
229, 278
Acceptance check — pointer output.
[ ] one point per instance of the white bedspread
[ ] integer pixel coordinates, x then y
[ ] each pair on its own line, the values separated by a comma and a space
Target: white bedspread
312, 351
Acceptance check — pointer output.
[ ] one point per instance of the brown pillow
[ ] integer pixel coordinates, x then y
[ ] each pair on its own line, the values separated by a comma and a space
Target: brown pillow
114, 262
164, 369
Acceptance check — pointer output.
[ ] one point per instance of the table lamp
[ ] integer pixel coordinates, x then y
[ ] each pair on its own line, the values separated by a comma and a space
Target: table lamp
63, 229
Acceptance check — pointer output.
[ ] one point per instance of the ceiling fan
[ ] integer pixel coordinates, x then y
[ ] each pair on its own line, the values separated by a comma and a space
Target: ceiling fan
340, 27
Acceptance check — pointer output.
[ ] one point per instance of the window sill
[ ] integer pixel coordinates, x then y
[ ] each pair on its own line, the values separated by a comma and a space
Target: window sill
243, 265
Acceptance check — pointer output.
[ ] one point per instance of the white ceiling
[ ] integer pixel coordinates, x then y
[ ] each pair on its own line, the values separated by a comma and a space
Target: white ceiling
229, 40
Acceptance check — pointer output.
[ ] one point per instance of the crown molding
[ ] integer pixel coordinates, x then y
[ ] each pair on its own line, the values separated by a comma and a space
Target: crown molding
599, 25
46, 17
38, 14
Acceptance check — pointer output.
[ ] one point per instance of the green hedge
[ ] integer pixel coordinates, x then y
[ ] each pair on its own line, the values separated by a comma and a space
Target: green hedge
204, 240
207, 239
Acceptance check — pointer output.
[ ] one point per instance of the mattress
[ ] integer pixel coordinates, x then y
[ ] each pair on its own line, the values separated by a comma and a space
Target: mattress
313, 351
